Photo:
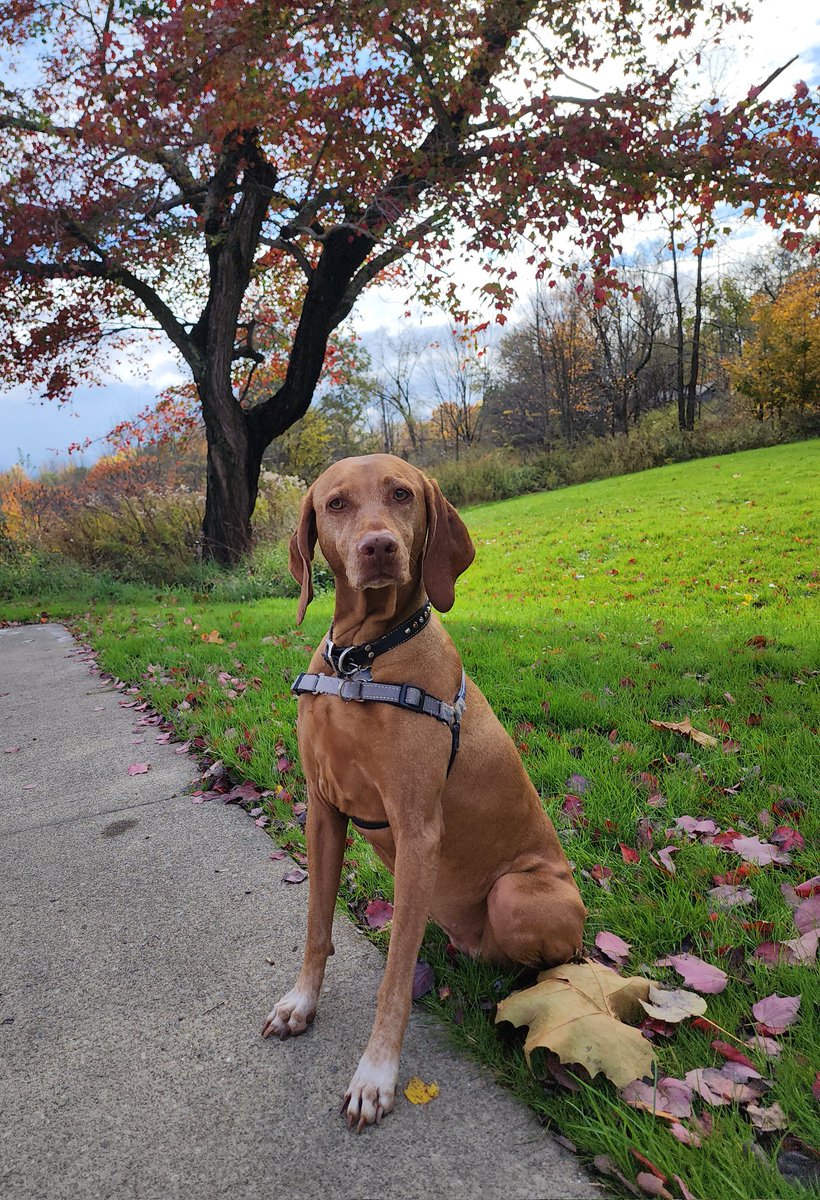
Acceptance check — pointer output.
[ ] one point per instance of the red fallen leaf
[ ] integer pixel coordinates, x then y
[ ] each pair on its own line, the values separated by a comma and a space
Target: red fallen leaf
650, 1166
718, 725
810, 888
607, 1166
754, 719
278, 855
243, 793
444, 992
758, 641
705, 1025
734, 876
12, 749
732, 1053
573, 809
807, 915
627, 682
752, 849
685, 1136
299, 810
628, 854
599, 873
664, 859
378, 913
283, 764
138, 768
651, 1026
787, 838
579, 784
423, 979
730, 746
650, 782
297, 875
764, 927
776, 1013
725, 840
718, 1089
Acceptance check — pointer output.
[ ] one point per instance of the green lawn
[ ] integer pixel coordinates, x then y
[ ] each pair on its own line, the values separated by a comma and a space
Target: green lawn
680, 592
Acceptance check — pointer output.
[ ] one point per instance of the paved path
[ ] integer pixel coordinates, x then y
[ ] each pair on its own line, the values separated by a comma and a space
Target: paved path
135, 934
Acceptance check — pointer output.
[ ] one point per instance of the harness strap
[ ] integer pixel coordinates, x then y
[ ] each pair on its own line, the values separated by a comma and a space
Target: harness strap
400, 695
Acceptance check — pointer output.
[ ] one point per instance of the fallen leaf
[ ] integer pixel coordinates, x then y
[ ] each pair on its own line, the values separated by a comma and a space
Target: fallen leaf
419, 1092
810, 888
578, 1011
613, 947
12, 749
423, 979
684, 1190
378, 913
752, 849
732, 1053
807, 915
729, 895
212, 637
278, 855
665, 857
573, 809
628, 854
776, 1012
673, 1006
764, 1045
297, 875
579, 784
647, 1162
139, 768
607, 1166
768, 1119
684, 1135
600, 874
685, 727
652, 1186
717, 1089
800, 951
700, 975
787, 838
671, 1099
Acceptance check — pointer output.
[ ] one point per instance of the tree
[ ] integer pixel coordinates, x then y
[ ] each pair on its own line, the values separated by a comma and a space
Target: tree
458, 375
779, 366
178, 166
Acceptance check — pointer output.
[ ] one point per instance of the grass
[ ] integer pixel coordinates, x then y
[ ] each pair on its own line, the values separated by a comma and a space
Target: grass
682, 591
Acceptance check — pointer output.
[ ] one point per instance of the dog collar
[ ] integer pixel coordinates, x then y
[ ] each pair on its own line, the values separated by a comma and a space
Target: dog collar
347, 660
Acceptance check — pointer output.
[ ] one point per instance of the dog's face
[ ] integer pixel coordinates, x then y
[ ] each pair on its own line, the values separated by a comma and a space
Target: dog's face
371, 520
380, 523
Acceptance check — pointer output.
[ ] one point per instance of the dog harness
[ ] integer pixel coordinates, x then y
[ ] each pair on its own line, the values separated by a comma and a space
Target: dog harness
352, 680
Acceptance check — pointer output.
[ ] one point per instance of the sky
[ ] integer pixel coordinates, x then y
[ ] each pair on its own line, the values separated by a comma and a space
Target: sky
36, 433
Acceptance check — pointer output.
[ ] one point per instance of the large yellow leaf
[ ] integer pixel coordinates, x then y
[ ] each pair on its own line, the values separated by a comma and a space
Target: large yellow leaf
578, 1011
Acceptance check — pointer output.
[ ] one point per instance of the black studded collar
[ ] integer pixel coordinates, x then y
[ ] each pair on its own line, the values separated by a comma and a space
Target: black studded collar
347, 660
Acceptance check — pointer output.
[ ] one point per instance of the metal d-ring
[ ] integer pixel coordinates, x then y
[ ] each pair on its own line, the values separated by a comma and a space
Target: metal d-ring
340, 666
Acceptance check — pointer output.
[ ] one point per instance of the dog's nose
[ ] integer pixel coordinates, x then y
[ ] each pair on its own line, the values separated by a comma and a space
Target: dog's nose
379, 545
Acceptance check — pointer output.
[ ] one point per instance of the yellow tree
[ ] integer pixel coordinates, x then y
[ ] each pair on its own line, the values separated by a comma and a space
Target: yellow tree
779, 367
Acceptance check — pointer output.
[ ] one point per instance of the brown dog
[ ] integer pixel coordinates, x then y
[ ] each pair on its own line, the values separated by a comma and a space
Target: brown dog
470, 846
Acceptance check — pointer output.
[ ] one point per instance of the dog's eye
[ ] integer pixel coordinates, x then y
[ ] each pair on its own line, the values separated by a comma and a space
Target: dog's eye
401, 494
336, 503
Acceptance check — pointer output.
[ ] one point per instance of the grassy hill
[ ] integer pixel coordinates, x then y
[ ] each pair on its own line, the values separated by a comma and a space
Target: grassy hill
682, 592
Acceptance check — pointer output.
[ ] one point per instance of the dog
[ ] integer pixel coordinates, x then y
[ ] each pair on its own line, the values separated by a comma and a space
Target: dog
428, 774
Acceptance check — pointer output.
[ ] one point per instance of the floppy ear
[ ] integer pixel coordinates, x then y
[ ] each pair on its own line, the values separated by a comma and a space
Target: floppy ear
449, 550
300, 554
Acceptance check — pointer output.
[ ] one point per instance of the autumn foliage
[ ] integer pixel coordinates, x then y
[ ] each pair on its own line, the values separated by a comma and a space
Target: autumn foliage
234, 176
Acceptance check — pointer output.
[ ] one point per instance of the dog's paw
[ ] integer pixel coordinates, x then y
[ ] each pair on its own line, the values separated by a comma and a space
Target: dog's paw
371, 1094
290, 1016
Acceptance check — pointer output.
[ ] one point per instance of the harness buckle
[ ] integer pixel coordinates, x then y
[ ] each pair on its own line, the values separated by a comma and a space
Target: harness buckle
414, 705
352, 683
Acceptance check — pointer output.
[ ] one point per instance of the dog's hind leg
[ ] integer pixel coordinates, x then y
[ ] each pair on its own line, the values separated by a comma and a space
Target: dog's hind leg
533, 918
326, 832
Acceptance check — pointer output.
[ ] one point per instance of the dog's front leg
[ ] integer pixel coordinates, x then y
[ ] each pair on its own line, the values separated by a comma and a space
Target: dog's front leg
326, 831
372, 1089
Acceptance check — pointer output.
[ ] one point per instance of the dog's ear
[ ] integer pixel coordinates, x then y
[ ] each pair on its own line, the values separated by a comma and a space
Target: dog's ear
300, 554
449, 550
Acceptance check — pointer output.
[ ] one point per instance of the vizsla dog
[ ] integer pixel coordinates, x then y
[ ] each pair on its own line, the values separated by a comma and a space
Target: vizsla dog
390, 740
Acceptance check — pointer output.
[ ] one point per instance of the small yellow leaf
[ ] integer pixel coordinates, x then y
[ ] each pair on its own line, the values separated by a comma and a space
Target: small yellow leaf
419, 1092
578, 1011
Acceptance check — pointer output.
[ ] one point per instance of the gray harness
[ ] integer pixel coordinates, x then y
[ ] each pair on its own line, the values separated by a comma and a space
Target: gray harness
353, 681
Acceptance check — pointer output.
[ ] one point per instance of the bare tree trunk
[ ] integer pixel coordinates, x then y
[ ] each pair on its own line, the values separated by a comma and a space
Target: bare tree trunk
694, 364
680, 390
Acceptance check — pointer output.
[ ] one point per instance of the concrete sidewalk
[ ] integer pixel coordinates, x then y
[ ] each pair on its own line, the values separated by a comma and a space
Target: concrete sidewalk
135, 934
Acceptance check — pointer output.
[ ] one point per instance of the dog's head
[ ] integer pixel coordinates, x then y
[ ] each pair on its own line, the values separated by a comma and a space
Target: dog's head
380, 523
